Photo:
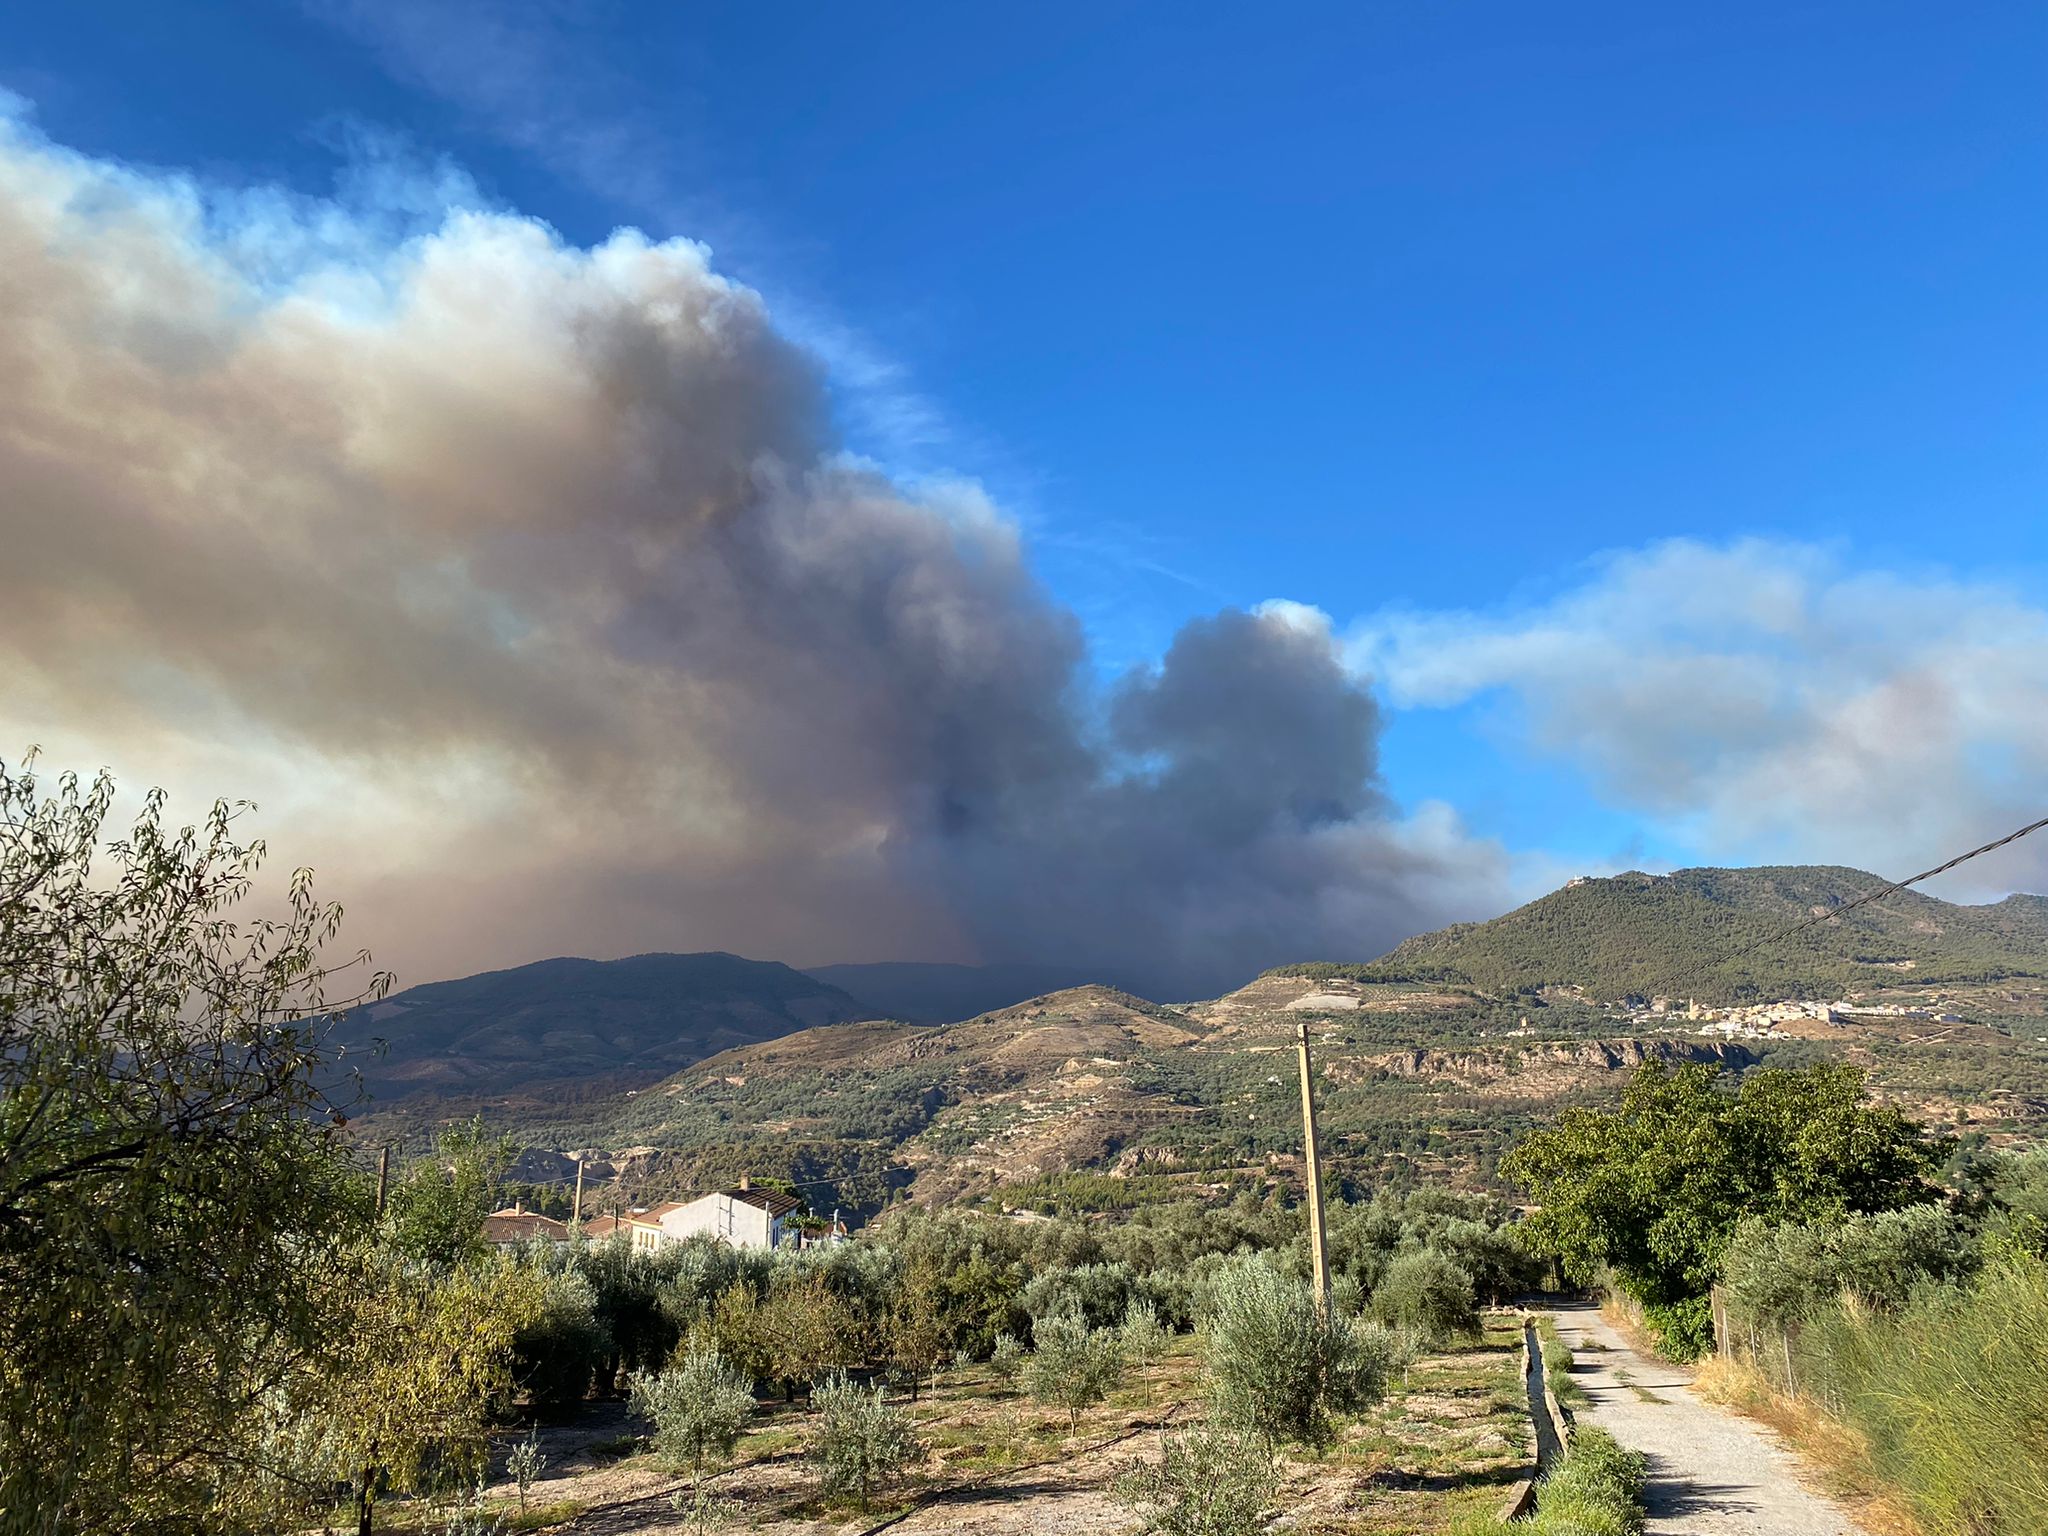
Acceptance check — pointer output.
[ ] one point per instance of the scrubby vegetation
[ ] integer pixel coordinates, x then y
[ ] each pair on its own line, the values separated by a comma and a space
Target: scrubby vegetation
1280, 1363
1639, 934
207, 1324
1597, 1490
862, 1441
1209, 1481
698, 1407
1925, 1332
1652, 1192
1802, 1231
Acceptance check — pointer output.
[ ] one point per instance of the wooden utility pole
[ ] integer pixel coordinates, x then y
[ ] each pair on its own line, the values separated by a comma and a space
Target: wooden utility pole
383, 1174
1318, 1245
576, 1210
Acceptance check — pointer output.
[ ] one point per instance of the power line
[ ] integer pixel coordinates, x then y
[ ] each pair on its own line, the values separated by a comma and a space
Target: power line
1868, 897
1889, 890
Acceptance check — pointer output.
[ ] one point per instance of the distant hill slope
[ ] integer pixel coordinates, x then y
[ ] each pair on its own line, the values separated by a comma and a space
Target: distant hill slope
1038, 1087
1672, 934
926, 993
1103, 1085
637, 1019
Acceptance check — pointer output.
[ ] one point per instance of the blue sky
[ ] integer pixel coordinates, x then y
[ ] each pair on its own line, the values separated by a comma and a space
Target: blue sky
1443, 320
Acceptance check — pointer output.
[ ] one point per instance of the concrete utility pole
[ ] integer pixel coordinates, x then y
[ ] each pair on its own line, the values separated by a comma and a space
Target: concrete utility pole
576, 1210
1318, 1245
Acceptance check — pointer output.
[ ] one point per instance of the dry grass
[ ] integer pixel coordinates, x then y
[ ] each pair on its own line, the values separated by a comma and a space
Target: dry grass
1835, 1451
1622, 1316
1440, 1451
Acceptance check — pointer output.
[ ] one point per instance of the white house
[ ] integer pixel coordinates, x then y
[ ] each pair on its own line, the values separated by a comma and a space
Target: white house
744, 1217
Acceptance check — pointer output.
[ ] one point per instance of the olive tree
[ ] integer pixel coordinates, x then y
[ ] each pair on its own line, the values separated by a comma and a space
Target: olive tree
1428, 1296
862, 1440
1073, 1366
698, 1407
173, 1193
1279, 1364
1210, 1480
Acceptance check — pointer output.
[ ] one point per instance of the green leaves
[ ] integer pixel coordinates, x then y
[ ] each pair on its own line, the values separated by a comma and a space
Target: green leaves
172, 1196
437, 1210
1210, 1481
1073, 1366
1653, 1190
862, 1441
1279, 1365
699, 1406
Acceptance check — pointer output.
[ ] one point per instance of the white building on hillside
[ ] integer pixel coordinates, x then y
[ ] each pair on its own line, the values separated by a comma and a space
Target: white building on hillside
744, 1217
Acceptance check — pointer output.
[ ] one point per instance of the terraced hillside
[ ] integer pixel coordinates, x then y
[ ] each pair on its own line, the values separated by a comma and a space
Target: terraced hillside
1093, 1097
1432, 1060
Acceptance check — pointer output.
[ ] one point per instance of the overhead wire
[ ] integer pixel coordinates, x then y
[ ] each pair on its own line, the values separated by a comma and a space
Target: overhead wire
1816, 919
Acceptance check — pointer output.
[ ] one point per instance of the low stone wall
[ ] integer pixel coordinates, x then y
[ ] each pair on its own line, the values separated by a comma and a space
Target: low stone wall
1543, 1405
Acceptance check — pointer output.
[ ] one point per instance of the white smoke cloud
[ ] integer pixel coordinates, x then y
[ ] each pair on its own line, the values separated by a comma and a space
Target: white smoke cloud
1765, 701
528, 588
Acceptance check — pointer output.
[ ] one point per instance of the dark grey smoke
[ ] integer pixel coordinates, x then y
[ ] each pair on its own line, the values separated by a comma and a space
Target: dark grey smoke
528, 588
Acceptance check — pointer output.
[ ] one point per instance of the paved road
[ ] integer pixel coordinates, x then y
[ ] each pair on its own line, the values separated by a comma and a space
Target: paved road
1711, 1474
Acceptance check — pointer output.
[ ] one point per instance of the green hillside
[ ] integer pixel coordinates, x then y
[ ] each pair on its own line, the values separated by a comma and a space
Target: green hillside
1673, 935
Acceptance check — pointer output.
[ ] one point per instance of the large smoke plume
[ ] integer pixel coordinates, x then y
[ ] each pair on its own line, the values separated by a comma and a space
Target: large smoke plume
528, 589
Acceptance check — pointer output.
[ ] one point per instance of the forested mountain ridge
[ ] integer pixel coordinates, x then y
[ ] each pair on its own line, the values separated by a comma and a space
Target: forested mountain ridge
640, 1018
1675, 934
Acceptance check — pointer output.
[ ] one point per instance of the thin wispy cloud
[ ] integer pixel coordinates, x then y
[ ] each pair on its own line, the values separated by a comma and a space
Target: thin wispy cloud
1766, 700
532, 77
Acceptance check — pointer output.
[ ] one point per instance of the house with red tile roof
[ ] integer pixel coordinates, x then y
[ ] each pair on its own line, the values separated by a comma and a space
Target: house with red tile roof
515, 1225
743, 1216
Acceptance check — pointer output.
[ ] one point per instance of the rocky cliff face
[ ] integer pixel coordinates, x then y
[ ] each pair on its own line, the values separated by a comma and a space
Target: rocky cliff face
1497, 1063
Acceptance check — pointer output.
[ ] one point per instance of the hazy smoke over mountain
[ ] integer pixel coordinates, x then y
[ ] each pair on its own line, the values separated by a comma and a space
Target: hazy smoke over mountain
526, 589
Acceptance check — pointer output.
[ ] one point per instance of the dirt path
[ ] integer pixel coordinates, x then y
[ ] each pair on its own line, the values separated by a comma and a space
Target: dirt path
1711, 1474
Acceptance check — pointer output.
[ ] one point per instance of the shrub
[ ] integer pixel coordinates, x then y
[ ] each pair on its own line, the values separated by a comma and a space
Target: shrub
1684, 1328
469, 1516
1007, 1358
1597, 1490
1101, 1293
1074, 1366
698, 1407
1654, 1190
1210, 1481
1143, 1336
526, 1463
1557, 1365
1499, 1262
1278, 1364
702, 1510
1776, 1275
1429, 1296
1948, 1396
557, 1354
861, 1442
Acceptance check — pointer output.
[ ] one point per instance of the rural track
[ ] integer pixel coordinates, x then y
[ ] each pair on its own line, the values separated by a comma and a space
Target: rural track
1711, 1473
